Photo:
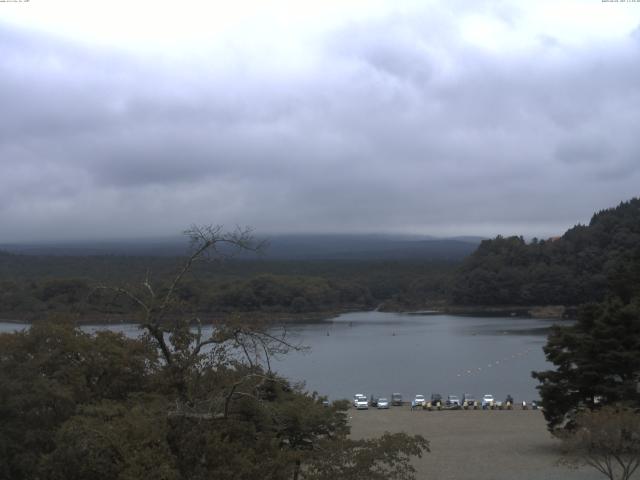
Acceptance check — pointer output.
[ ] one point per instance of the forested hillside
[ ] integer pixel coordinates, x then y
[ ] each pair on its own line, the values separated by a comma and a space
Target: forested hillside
34, 287
578, 267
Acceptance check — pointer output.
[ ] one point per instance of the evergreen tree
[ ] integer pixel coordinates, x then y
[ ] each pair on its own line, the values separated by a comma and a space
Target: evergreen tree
597, 361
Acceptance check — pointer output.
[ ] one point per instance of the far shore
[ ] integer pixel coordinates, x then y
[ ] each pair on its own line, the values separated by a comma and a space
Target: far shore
558, 312
205, 319
544, 312
475, 444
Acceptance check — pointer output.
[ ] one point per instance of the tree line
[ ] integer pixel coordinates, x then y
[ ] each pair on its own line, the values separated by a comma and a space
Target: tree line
292, 287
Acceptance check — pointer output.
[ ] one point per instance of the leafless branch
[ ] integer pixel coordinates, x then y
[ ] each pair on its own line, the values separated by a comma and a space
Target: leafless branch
266, 356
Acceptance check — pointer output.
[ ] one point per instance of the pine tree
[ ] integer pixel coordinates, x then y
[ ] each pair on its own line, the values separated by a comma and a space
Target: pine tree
597, 361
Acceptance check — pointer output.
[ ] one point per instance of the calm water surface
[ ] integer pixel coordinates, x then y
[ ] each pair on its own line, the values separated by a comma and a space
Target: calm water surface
380, 353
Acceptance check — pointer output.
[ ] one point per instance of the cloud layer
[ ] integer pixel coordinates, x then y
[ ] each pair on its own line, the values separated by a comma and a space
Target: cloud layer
416, 121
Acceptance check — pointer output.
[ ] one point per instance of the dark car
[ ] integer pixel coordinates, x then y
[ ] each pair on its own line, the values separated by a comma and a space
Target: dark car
453, 402
396, 399
436, 399
508, 402
469, 401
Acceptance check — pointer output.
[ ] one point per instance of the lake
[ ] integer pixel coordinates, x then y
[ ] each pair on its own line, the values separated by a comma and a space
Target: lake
380, 353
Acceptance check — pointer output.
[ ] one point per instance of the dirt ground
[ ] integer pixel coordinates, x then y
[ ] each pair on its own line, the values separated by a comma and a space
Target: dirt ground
475, 444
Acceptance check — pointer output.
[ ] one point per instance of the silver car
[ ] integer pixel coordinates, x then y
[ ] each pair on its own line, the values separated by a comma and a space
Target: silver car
383, 403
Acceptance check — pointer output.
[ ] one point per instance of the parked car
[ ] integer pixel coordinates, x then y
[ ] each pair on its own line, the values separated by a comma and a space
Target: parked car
360, 401
469, 401
488, 401
418, 401
382, 403
453, 402
435, 398
396, 399
508, 402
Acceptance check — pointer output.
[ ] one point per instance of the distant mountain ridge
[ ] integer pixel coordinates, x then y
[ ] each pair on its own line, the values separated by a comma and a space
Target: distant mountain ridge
280, 247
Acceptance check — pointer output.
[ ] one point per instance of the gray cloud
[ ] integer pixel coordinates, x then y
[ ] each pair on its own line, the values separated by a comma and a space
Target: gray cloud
396, 125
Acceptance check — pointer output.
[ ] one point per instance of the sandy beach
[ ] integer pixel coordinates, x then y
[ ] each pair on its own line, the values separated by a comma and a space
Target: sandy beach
475, 444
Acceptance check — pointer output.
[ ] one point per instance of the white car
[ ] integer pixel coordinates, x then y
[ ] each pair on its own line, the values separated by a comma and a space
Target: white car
383, 403
360, 401
419, 401
488, 401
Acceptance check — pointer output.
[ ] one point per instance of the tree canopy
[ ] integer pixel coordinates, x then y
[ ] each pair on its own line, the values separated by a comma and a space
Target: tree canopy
597, 361
175, 403
569, 270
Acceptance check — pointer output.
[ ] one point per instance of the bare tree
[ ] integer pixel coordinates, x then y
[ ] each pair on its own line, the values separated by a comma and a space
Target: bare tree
607, 439
180, 338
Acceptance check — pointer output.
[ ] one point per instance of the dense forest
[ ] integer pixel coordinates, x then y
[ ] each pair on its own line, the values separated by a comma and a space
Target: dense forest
36, 286
570, 270
573, 269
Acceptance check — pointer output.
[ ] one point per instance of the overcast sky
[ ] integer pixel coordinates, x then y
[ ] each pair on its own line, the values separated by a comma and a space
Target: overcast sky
130, 119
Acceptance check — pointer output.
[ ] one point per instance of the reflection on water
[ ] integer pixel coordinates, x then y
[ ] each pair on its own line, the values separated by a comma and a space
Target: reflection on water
380, 353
